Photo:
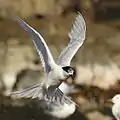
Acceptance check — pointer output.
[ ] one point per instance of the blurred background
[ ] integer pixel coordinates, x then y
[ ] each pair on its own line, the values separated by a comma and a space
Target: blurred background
97, 62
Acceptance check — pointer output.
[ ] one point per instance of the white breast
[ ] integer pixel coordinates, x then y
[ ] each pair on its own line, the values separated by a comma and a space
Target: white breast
56, 75
116, 111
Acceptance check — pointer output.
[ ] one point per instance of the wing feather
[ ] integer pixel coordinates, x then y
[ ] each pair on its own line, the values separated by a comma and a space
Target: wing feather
37, 92
41, 46
77, 37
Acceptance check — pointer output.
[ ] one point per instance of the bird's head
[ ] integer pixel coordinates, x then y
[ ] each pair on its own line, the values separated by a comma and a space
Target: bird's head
71, 72
116, 99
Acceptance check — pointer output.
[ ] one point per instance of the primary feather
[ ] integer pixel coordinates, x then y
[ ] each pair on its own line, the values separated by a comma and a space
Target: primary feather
41, 46
77, 37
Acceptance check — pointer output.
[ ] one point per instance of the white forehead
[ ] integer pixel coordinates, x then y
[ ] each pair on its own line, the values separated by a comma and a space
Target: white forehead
116, 96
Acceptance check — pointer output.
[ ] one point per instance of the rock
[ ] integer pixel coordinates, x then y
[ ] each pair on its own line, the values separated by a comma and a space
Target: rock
16, 58
27, 78
97, 115
33, 7
85, 104
97, 60
102, 76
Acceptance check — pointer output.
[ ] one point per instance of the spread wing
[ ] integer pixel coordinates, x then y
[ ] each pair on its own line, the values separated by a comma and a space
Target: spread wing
34, 91
41, 46
37, 92
77, 37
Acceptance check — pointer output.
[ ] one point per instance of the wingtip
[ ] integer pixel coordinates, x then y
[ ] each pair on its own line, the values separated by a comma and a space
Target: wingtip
15, 18
81, 17
78, 13
16, 93
78, 28
20, 21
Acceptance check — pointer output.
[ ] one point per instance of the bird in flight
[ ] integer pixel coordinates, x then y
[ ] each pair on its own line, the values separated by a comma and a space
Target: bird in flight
55, 72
